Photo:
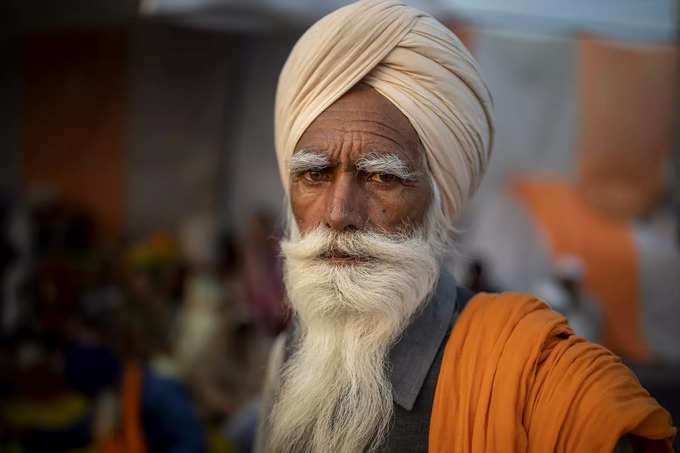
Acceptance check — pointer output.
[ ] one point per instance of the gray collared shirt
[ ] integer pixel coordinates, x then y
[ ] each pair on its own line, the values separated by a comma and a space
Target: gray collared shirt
413, 355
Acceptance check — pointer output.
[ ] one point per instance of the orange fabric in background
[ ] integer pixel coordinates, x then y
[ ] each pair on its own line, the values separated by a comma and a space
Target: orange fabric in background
73, 105
628, 111
514, 378
130, 436
571, 227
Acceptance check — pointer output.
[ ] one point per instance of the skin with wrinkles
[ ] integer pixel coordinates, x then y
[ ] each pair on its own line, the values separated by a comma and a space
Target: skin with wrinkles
361, 123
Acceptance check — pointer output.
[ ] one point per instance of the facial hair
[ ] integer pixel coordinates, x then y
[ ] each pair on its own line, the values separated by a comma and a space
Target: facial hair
335, 394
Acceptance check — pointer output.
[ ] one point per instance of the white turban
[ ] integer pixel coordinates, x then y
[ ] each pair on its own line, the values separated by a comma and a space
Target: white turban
412, 60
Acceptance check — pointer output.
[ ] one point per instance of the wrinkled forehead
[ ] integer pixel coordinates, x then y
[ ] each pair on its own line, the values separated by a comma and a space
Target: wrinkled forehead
364, 115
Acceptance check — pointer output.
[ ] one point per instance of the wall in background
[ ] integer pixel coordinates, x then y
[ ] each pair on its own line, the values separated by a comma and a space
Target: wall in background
72, 120
179, 89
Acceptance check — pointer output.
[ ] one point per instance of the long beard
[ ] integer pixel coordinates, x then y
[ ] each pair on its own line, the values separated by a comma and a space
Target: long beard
336, 395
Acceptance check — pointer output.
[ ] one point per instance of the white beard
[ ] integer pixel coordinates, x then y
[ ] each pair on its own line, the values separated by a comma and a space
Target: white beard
336, 395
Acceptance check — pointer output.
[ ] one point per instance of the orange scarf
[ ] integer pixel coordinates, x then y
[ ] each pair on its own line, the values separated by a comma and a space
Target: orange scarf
515, 378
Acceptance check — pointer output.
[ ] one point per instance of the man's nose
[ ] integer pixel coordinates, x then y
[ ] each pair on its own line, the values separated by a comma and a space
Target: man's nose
344, 207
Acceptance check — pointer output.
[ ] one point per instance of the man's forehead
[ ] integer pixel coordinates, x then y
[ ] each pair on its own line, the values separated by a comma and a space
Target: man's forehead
368, 144
368, 120
361, 102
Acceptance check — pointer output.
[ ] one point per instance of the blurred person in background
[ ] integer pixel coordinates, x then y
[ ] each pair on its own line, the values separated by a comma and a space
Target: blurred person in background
76, 373
152, 408
383, 129
263, 275
41, 407
217, 349
565, 294
477, 278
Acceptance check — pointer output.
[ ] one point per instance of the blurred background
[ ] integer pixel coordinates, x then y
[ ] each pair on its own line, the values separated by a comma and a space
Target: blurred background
140, 202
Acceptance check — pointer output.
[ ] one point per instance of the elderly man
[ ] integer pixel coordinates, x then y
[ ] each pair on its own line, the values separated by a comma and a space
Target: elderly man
383, 130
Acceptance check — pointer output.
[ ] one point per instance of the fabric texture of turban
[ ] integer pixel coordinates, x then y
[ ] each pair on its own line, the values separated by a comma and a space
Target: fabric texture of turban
416, 63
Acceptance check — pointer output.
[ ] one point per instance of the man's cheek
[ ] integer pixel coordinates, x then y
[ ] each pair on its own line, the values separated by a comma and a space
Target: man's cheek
303, 214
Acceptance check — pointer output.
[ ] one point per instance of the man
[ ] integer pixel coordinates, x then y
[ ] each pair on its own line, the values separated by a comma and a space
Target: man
383, 129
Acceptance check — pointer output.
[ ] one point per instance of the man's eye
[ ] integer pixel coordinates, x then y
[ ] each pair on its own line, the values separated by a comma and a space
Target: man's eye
382, 178
314, 175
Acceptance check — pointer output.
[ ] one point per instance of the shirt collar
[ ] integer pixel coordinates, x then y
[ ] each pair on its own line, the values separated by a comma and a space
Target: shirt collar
411, 357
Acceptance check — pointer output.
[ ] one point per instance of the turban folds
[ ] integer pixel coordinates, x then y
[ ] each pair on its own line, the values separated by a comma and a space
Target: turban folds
412, 60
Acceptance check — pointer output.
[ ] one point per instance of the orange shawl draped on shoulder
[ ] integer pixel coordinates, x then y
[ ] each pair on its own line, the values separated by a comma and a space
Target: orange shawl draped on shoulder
515, 378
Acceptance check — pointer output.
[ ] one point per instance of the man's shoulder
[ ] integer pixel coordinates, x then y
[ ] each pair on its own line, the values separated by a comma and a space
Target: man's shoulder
498, 318
501, 308
510, 351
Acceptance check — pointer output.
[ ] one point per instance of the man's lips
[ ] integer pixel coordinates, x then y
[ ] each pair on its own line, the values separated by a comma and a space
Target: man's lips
337, 257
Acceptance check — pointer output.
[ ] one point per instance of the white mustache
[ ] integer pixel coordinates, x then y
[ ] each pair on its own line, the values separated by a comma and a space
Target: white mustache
364, 246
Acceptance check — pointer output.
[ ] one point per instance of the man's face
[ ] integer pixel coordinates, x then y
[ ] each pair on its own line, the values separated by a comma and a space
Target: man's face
359, 166
363, 265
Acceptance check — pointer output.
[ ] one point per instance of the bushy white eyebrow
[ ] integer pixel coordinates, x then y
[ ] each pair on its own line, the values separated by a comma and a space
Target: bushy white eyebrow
385, 163
304, 160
